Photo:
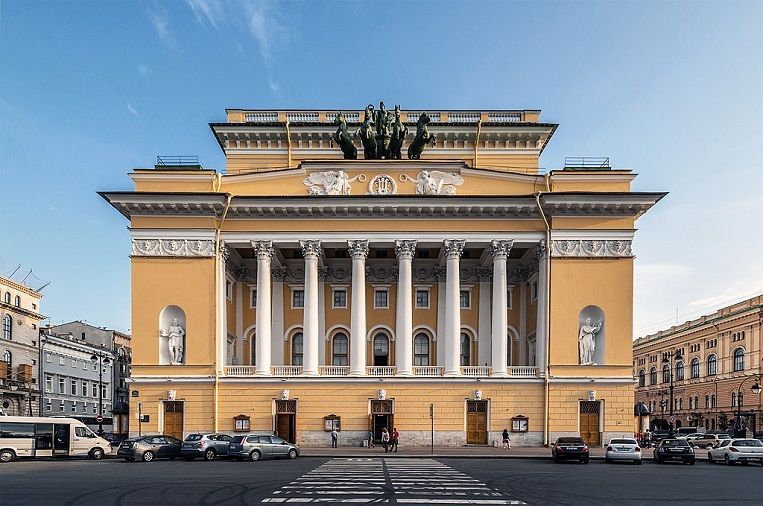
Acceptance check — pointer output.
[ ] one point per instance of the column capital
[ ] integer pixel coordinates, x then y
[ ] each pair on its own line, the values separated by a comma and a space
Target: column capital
501, 249
263, 249
405, 249
311, 250
454, 248
358, 249
540, 251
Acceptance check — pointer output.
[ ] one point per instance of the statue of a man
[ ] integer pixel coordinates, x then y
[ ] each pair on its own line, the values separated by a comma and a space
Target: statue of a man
175, 336
382, 121
587, 340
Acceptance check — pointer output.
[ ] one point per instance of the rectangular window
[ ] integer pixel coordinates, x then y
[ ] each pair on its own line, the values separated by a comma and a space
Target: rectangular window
61, 386
340, 298
298, 299
465, 299
104, 392
85, 388
74, 406
422, 299
381, 300
74, 387
48, 358
61, 406
48, 404
48, 383
61, 361
95, 390
252, 298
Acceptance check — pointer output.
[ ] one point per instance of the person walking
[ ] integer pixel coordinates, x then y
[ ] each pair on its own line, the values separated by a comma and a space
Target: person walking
371, 439
395, 438
385, 439
334, 438
506, 440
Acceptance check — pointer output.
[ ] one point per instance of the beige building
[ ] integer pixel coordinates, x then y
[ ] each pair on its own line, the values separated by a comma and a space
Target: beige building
296, 290
713, 361
19, 348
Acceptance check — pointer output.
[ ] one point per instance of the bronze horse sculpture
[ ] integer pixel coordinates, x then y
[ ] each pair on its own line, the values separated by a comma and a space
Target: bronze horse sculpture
421, 139
399, 131
342, 138
366, 134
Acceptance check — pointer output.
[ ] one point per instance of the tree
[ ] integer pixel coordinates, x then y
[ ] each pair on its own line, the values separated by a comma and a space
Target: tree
696, 419
723, 421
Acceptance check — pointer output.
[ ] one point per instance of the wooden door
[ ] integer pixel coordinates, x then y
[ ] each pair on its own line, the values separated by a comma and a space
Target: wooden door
476, 422
589, 422
173, 419
286, 420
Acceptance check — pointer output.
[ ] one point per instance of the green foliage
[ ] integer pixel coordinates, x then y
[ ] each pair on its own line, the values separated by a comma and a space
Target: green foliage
723, 421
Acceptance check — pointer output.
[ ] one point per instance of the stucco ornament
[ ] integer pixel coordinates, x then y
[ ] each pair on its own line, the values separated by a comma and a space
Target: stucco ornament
587, 340
175, 335
434, 182
329, 183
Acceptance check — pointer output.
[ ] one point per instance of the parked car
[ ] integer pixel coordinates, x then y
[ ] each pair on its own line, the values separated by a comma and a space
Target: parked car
731, 451
689, 437
623, 449
207, 446
683, 432
148, 448
674, 449
570, 448
708, 440
659, 435
261, 446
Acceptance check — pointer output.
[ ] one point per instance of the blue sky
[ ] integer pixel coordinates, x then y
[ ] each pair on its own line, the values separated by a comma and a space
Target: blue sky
91, 90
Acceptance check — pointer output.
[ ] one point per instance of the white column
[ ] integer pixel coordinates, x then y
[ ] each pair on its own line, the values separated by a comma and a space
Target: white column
240, 322
277, 338
311, 250
452, 338
499, 345
221, 340
541, 333
484, 329
523, 324
358, 251
263, 311
404, 315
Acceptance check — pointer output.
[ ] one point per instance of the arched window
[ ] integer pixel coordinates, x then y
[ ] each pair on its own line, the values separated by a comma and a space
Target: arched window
680, 370
733, 399
421, 349
712, 401
691, 403
339, 349
707, 401
641, 378
666, 373
7, 297
466, 349
253, 347
7, 327
8, 359
712, 365
296, 349
695, 367
738, 360
17, 301
653, 376
381, 349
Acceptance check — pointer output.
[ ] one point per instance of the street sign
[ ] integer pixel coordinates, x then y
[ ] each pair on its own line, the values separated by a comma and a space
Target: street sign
672, 418
99, 418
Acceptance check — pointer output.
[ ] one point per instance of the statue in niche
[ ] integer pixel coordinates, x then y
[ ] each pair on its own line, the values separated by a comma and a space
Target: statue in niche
399, 131
343, 139
434, 182
422, 137
175, 338
587, 340
366, 134
328, 183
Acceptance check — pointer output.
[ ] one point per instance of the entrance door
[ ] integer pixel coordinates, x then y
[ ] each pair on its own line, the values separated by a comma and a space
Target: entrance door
589, 422
286, 420
381, 417
61, 439
173, 419
476, 422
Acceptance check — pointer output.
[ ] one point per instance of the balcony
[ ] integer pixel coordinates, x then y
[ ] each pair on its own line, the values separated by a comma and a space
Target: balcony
387, 371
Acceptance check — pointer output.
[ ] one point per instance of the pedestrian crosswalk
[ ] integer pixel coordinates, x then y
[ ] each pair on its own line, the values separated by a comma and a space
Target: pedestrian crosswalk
387, 481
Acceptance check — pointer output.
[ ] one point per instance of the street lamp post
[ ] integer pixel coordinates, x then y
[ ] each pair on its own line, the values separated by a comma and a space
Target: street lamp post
100, 359
669, 361
756, 389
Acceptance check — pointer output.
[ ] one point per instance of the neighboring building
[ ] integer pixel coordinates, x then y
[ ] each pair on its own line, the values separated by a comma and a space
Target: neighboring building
118, 345
709, 358
300, 291
19, 350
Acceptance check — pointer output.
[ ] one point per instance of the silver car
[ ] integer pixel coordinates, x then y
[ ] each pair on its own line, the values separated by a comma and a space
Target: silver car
207, 446
261, 446
623, 449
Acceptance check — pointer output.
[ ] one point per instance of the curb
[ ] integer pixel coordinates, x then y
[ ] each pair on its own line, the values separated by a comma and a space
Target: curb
432, 456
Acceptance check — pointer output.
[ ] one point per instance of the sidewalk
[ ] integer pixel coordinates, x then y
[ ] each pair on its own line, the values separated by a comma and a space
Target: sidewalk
464, 452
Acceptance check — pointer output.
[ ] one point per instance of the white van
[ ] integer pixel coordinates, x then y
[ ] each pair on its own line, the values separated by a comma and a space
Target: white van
33, 436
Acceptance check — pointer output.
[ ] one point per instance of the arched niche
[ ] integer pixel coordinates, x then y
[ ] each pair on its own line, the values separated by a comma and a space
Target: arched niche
591, 336
172, 334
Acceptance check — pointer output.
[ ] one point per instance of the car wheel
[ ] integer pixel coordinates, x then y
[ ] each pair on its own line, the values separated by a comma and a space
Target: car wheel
584, 461
96, 453
148, 456
7, 456
638, 462
292, 454
255, 455
726, 460
209, 454
692, 462
659, 460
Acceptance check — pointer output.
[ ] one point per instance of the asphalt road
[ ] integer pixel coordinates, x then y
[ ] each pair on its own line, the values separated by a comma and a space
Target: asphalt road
373, 481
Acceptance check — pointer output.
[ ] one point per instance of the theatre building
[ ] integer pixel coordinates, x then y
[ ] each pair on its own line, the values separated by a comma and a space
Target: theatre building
422, 265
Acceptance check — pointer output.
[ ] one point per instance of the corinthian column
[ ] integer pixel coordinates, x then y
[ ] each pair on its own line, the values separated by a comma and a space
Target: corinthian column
541, 332
311, 250
404, 316
499, 345
453, 251
358, 251
263, 311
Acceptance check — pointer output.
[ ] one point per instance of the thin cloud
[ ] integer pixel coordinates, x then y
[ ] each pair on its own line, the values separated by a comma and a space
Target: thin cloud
144, 70
161, 23
132, 110
263, 27
207, 11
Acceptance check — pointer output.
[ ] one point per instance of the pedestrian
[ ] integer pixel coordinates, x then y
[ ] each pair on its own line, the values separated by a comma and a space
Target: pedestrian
370, 439
506, 440
395, 438
334, 438
385, 439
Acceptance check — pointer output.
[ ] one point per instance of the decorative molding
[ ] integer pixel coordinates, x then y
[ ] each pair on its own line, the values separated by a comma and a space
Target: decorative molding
311, 250
173, 248
381, 273
382, 184
358, 249
263, 249
405, 249
453, 248
591, 248
500, 249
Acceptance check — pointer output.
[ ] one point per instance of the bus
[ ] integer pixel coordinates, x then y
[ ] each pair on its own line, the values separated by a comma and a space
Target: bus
33, 436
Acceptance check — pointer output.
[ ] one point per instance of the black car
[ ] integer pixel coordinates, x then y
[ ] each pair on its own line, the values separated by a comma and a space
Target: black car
148, 448
674, 449
570, 448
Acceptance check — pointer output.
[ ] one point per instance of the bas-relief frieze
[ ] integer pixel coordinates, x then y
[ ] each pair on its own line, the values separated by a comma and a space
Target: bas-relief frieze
173, 248
591, 248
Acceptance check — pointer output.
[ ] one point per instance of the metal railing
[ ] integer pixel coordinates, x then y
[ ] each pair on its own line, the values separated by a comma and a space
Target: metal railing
381, 370
177, 161
586, 162
428, 370
476, 371
333, 370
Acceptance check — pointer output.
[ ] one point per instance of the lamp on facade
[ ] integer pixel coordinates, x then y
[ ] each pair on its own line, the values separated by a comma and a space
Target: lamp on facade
102, 360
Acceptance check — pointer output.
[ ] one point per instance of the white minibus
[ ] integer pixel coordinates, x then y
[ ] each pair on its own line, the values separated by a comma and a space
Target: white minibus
32, 436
